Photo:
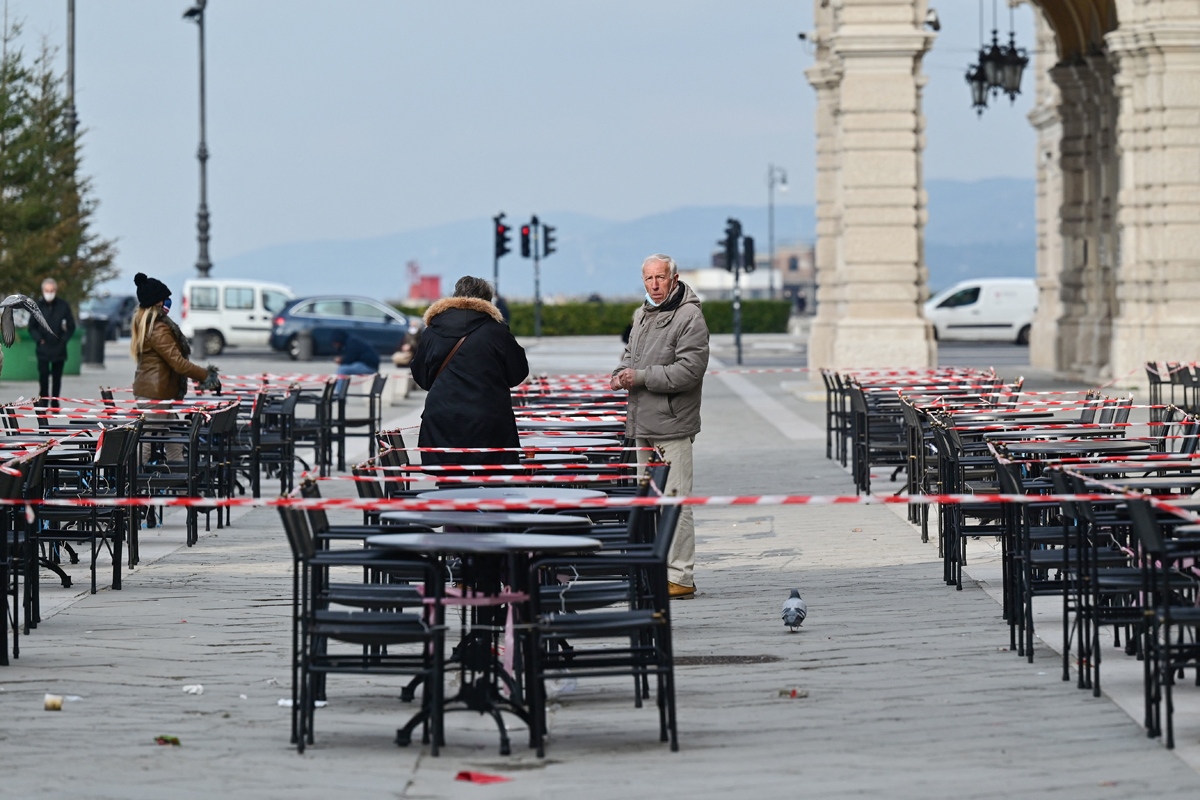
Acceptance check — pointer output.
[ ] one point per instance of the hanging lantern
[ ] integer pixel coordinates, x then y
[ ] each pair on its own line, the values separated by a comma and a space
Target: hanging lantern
977, 80
992, 61
1014, 66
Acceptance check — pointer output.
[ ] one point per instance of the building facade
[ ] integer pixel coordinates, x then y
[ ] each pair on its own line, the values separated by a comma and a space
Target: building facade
1118, 167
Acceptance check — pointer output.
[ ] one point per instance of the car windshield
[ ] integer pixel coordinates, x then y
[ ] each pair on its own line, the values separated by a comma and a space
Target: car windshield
963, 297
101, 305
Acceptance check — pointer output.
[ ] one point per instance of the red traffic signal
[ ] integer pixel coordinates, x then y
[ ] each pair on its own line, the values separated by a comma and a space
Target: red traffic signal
502, 237
525, 249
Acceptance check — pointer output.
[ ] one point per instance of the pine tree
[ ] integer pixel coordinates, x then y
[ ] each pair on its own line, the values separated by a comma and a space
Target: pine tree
46, 206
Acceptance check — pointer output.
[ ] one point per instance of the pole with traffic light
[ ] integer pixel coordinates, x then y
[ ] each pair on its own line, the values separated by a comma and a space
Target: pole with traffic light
501, 249
733, 233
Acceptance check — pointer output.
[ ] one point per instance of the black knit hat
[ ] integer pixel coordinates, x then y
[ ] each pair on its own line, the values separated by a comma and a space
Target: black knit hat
150, 291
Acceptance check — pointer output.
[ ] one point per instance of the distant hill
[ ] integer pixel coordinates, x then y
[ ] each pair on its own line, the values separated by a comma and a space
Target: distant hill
975, 228
980, 228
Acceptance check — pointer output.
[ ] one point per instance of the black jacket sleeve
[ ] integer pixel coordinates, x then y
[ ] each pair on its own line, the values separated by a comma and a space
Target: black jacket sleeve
516, 365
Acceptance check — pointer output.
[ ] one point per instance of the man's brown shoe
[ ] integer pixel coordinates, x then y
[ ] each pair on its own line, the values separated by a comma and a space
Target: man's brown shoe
678, 591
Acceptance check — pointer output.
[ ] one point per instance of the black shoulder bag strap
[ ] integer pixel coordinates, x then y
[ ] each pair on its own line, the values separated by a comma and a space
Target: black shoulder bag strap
457, 345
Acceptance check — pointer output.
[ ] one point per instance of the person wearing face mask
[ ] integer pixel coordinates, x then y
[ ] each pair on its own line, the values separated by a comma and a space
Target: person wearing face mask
52, 349
160, 348
663, 370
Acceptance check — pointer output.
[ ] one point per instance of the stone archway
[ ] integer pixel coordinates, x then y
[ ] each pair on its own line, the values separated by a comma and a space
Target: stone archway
1118, 122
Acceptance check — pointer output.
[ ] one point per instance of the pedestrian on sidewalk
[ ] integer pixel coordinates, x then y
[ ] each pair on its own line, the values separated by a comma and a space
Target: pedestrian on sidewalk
663, 370
356, 356
52, 349
468, 361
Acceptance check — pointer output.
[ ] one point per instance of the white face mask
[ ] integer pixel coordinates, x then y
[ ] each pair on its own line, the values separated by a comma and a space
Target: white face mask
49, 296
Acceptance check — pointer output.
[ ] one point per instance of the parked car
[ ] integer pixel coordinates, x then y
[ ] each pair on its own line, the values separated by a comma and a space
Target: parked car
988, 308
218, 312
115, 309
305, 327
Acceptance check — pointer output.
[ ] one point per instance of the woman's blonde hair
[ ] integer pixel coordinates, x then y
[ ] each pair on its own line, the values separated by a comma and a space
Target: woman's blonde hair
143, 321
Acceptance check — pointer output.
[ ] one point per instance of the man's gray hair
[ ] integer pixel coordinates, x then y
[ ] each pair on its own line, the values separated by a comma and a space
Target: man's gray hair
51, 281
665, 259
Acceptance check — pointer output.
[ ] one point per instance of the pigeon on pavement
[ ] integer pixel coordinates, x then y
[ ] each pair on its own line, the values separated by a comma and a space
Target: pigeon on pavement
8, 326
794, 611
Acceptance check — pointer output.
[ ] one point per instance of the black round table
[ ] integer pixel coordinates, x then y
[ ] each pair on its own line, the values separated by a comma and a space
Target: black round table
512, 493
1067, 447
568, 425
554, 458
482, 672
568, 441
482, 543
484, 519
992, 416
1072, 432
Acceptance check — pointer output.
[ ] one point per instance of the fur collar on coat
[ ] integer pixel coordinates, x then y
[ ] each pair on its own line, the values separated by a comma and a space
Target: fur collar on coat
467, 303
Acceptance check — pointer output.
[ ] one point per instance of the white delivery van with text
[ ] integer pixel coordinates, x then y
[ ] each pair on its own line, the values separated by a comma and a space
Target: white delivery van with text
997, 309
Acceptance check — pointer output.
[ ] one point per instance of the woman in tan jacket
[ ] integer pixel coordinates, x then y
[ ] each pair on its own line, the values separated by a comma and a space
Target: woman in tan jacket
161, 352
159, 347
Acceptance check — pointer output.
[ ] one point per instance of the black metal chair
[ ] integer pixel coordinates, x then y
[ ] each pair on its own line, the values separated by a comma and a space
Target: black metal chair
106, 477
645, 626
375, 628
371, 423
1171, 609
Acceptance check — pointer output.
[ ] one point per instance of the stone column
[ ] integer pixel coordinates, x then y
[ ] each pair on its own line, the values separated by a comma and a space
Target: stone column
1156, 49
823, 77
1087, 221
1043, 338
878, 46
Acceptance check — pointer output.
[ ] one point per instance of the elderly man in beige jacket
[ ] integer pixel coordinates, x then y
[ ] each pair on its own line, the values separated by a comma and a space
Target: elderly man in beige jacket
663, 369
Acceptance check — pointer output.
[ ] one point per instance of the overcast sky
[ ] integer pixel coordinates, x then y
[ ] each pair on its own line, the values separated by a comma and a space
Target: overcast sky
365, 117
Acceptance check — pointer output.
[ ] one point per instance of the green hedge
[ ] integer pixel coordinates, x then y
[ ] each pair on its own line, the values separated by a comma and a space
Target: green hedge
758, 316
605, 319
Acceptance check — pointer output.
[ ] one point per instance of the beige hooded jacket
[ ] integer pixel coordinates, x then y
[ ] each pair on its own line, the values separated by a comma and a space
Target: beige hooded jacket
668, 351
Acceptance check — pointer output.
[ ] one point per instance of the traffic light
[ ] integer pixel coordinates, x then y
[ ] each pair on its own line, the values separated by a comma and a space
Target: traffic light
525, 241
733, 232
547, 240
748, 253
502, 235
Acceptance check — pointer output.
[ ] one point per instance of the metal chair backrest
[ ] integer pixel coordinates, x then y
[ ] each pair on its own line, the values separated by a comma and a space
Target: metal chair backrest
1123, 409
295, 526
1145, 528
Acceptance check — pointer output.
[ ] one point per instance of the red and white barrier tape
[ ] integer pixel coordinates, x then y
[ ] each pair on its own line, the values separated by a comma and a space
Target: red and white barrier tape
510, 504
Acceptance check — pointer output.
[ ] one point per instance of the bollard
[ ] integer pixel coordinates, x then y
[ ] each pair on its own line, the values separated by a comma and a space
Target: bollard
95, 333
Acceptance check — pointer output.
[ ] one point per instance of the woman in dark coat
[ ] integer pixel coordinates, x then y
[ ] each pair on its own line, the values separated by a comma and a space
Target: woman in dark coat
469, 403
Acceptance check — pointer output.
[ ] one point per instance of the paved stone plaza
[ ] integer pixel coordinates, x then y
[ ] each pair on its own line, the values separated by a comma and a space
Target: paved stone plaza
904, 687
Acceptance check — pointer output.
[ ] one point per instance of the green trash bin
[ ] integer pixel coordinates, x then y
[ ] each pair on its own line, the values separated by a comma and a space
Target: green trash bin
20, 360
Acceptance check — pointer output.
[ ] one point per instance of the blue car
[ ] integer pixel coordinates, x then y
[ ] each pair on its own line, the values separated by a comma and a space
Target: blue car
316, 318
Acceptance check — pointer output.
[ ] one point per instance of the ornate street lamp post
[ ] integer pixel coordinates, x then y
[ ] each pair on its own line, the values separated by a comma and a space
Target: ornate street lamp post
775, 175
203, 265
72, 119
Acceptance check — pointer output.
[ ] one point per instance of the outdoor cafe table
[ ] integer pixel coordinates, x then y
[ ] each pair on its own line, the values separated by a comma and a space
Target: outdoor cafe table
480, 556
512, 493
568, 441
1073, 433
484, 519
1185, 482
1073, 447
569, 425
992, 416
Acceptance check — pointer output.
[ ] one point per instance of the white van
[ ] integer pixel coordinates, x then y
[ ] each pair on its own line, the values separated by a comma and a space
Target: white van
988, 308
217, 312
